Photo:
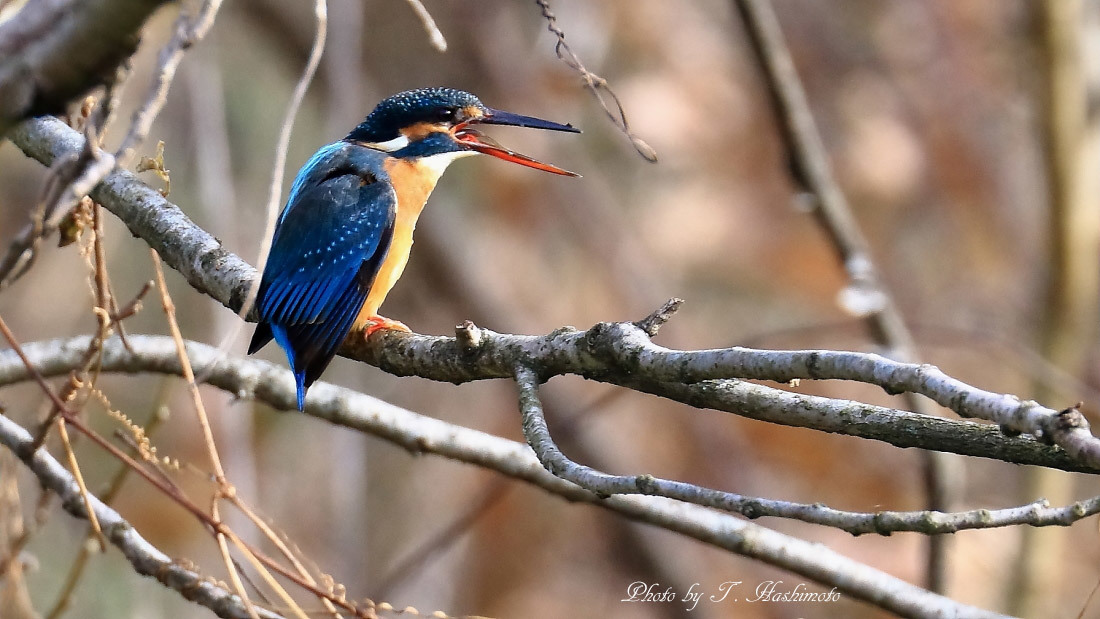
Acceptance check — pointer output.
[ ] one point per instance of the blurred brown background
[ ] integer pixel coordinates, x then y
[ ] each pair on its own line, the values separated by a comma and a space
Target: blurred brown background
931, 113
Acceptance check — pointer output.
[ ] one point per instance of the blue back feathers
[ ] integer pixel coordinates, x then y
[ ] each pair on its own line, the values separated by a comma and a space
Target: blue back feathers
331, 240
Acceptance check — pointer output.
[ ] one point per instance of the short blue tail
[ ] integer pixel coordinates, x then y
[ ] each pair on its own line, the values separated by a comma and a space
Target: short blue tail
283, 339
300, 382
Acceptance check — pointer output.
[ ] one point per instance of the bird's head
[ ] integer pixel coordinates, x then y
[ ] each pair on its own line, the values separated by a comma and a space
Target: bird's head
440, 121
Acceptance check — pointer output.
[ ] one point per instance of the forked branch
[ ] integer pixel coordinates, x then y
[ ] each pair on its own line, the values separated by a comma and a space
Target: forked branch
622, 353
417, 433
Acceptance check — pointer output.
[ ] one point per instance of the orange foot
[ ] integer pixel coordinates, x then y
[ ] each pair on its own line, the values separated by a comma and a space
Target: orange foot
377, 323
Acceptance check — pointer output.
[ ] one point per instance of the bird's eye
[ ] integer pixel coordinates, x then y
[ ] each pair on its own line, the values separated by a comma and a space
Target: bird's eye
447, 114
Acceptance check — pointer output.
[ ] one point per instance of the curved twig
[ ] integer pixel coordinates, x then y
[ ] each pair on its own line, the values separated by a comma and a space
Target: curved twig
282, 144
1037, 513
597, 85
435, 35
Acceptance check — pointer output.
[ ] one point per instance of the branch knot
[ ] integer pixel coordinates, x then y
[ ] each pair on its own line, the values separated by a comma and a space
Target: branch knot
469, 338
653, 323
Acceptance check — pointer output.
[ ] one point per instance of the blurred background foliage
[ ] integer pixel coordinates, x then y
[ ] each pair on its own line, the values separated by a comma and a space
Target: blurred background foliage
931, 113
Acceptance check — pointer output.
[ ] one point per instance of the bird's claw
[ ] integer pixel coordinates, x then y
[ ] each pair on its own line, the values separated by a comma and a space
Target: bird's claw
377, 323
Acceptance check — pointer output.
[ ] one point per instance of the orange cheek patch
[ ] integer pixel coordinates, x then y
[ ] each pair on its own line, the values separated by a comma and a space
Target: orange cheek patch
421, 130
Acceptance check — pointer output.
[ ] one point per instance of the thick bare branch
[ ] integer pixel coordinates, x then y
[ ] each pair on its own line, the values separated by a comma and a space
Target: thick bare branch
254, 379
52, 51
611, 352
419, 434
185, 247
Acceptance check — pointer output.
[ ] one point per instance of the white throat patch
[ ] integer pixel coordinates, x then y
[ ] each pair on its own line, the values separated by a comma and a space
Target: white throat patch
438, 163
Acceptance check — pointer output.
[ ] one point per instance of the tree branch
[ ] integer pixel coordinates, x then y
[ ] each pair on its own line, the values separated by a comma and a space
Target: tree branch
419, 434
147, 559
620, 353
260, 380
866, 295
535, 430
185, 247
52, 51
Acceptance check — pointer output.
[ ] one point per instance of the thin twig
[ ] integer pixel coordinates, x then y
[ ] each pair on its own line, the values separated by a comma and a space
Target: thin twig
93, 161
230, 565
597, 85
41, 514
145, 558
14, 533
134, 306
169, 490
280, 545
52, 208
188, 374
187, 32
80, 563
282, 144
74, 467
435, 35
207, 434
261, 568
23, 249
72, 419
101, 285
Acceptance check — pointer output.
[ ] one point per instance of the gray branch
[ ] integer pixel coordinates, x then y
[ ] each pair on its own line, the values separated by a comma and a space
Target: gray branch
622, 354
272, 384
247, 378
615, 353
187, 248
52, 51
147, 559
535, 430
810, 170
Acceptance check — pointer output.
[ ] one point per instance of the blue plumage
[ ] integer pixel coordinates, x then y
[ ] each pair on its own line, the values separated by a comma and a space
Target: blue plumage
335, 232
332, 238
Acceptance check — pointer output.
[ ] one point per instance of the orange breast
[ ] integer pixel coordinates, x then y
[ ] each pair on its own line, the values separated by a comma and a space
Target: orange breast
413, 181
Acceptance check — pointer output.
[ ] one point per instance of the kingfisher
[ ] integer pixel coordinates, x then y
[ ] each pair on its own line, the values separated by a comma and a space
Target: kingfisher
344, 236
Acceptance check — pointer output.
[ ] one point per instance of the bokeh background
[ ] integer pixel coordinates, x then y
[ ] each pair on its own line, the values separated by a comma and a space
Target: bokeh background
933, 116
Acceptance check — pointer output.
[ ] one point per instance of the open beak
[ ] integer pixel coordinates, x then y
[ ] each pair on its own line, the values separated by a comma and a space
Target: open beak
481, 143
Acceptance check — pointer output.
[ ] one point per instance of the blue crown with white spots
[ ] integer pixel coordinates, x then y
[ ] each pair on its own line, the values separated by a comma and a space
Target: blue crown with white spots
436, 105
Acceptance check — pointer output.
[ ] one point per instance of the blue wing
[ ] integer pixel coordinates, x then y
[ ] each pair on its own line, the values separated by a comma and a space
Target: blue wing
329, 244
